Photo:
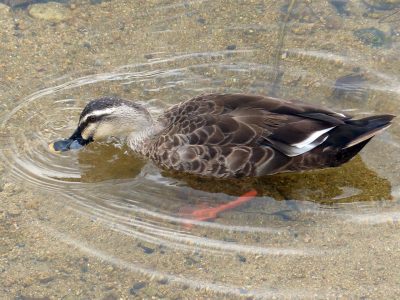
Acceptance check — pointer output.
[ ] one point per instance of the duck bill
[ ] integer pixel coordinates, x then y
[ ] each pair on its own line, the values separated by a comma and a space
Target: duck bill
76, 141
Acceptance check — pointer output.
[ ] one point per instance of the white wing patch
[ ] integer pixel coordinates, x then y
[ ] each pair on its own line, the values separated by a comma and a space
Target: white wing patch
313, 140
309, 141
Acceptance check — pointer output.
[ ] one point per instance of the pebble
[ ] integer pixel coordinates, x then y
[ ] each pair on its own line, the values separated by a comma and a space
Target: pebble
303, 29
10, 189
241, 258
136, 287
6, 19
13, 210
382, 4
350, 87
201, 21
307, 239
162, 281
51, 11
110, 269
340, 6
111, 296
98, 63
371, 36
4, 9
146, 249
333, 22
46, 279
32, 204
17, 3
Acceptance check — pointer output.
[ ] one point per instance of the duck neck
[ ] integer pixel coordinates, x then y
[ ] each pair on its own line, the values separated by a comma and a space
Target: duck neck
138, 141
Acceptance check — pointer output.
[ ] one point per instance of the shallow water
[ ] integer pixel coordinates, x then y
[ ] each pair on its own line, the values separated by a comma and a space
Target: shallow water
103, 223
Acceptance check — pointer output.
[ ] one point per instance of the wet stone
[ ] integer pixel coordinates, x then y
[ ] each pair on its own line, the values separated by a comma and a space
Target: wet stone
16, 3
340, 6
26, 3
32, 204
51, 11
137, 287
350, 87
303, 29
371, 36
231, 47
307, 239
4, 9
229, 240
191, 261
111, 296
98, 63
46, 280
13, 211
146, 249
382, 4
163, 281
333, 22
6, 19
21, 297
87, 45
241, 258
201, 21
84, 265
300, 12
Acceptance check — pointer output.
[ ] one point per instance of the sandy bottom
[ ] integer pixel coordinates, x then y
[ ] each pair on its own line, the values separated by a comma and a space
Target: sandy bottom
51, 250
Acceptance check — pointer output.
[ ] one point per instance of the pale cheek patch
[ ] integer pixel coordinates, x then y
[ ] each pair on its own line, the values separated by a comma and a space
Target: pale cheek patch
104, 130
88, 131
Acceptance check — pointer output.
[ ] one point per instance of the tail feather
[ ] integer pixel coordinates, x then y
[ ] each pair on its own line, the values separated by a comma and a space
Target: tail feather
369, 127
356, 131
351, 137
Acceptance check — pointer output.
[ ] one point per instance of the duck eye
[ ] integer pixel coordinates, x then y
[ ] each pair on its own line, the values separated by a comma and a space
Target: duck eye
92, 119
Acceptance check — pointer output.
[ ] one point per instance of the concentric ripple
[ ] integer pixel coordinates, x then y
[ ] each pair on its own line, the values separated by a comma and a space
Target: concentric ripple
135, 207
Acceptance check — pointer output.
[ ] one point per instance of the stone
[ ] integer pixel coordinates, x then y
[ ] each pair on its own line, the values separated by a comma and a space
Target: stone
51, 11
10, 189
333, 22
350, 87
17, 3
136, 287
6, 18
340, 6
32, 204
371, 36
303, 29
13, 210
382, 4
4, 9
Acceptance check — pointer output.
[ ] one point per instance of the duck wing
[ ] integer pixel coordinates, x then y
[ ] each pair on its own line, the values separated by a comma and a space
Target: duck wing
227, 135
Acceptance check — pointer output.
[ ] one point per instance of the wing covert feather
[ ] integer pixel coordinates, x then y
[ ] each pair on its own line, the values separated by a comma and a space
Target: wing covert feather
239, 135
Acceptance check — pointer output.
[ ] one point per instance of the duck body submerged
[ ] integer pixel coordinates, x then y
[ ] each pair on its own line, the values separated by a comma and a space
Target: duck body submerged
237, 135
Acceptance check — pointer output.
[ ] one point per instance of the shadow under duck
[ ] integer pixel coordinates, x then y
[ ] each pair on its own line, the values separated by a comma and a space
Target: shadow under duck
229, 135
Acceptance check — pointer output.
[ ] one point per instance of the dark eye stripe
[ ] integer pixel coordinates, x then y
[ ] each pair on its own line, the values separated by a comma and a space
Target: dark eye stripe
91, 119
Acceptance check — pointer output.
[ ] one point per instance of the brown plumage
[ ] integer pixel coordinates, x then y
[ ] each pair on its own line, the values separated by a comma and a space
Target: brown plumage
236, 135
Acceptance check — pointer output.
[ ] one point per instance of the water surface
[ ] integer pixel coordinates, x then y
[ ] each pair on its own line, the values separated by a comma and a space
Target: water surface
102, 222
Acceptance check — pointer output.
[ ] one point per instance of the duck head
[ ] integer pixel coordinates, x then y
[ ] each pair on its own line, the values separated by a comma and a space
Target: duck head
102, 118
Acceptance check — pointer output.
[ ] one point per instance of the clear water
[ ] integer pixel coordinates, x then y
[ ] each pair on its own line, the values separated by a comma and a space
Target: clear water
331, 233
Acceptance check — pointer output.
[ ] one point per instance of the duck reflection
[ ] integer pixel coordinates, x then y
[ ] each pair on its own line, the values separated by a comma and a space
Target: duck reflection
100, 162
351, 182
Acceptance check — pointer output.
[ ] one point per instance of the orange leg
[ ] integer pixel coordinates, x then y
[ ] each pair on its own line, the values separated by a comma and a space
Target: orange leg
210, 213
